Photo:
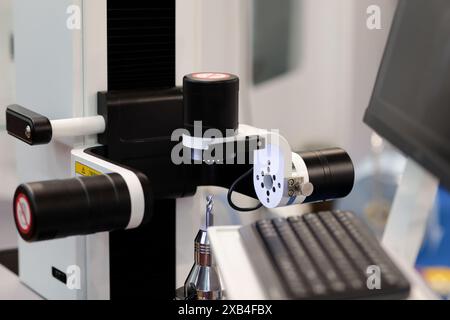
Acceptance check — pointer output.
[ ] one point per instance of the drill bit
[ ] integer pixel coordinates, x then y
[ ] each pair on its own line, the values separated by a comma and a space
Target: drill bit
209, 212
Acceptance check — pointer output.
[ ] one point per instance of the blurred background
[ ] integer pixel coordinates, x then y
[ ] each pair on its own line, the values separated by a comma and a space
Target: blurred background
8, 177
307, 67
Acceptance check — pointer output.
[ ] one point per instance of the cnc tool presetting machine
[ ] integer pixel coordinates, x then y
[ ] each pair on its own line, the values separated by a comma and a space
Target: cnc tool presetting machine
115, 77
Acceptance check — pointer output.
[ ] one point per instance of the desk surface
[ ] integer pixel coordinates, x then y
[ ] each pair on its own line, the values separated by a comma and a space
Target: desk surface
12, 289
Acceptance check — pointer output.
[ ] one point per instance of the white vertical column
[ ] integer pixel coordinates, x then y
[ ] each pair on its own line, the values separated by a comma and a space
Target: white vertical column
95, 79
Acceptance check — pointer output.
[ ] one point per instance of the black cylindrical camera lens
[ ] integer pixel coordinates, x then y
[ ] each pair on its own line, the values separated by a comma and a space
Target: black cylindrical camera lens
79, 206
212, 99
331, 172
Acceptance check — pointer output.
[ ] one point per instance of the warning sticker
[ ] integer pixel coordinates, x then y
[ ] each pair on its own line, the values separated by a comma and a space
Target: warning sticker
23, 214
84, 170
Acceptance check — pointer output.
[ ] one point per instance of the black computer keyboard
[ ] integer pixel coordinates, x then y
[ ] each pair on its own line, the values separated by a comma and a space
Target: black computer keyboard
326, 255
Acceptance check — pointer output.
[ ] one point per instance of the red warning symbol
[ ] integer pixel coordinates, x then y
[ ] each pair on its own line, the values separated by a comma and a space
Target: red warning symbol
23, 214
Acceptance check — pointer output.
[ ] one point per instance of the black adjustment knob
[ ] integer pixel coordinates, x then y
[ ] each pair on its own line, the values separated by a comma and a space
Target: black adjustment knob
213, 99
79, 206
331, 172
28, 126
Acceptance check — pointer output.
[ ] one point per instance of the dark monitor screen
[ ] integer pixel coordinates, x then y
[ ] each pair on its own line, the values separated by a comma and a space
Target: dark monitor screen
410, 106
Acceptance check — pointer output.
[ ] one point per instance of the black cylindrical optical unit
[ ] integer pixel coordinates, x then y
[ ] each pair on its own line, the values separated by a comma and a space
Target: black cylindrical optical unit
331, 172
79, 206
212, 99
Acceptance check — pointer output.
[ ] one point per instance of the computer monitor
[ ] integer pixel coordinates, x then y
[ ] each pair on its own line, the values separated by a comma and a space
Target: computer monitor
410, 106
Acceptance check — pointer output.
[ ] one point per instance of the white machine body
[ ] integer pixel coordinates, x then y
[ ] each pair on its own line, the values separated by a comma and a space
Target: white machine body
58, 73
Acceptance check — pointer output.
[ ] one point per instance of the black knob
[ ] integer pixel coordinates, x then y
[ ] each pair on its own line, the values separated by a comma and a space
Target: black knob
331, 172
213, 99
79, 206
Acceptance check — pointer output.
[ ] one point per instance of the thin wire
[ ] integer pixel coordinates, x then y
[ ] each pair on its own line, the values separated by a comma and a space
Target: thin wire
231, 190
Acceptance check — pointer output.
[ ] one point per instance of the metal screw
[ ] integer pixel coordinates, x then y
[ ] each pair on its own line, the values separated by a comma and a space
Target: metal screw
28, 132
291, 182
307, 189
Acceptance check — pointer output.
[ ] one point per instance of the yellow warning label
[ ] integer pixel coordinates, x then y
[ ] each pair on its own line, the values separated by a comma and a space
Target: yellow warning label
85, 171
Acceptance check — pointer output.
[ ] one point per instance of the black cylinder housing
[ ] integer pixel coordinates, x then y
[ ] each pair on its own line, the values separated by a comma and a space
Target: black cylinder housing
213, 99
331, 172
79, 206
